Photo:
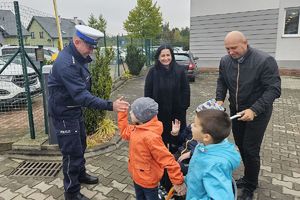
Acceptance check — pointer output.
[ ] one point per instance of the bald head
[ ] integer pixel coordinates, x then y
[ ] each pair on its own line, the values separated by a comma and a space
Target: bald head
236, 44
235, 36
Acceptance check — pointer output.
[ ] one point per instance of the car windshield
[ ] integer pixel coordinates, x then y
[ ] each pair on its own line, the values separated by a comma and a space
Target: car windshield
17, 60
180, 57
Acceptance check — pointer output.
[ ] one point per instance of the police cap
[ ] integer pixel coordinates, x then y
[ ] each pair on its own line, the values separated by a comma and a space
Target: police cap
88, 34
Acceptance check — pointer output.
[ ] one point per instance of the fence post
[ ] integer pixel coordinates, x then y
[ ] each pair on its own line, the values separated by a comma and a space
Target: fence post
22, 51
104, 39
40, 47
118, 55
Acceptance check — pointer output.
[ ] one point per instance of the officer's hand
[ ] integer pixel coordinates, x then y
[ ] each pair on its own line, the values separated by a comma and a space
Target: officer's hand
247, 115
120, 105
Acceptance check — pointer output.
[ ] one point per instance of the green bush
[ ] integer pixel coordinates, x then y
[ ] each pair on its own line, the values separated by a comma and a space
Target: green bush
135, 59
101, 87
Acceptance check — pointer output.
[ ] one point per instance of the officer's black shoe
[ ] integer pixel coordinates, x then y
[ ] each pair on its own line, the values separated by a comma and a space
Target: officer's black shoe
88, 179
246, 195
78, 196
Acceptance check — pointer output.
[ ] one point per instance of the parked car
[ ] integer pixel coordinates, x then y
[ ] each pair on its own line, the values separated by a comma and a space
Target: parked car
187, 60
30, 50
12, 85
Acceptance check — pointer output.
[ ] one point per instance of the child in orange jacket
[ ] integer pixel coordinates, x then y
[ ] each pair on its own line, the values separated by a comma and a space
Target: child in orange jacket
148, 156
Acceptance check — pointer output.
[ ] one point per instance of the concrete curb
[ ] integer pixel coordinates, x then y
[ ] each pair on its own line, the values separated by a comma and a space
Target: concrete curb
52, 152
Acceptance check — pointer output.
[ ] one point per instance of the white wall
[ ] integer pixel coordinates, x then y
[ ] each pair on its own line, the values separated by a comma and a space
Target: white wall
288, 48
211, 7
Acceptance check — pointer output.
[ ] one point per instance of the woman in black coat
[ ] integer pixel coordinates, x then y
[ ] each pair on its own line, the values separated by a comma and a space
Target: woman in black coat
167, 84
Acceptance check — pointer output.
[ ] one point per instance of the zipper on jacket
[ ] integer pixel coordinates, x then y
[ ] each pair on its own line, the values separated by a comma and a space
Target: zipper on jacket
237, 89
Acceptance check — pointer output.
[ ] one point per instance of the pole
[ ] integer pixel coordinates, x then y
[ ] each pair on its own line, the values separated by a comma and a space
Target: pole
22, 51
60, 42
43, 92
118, 55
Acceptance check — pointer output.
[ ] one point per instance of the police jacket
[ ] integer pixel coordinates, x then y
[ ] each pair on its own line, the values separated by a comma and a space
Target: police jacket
69, 85
253, 81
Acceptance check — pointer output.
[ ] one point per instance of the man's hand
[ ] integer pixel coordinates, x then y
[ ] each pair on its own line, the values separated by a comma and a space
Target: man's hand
180, 189
220, 103
120, 105
247, 115
175, 127
184, 156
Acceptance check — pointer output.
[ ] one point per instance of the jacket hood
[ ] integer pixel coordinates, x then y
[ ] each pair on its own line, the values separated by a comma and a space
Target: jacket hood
154, 125
224, 149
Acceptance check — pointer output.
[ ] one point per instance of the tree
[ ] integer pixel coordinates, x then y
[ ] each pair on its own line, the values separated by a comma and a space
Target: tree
101, 79
99, 24
166, 35
144, 21
135, 59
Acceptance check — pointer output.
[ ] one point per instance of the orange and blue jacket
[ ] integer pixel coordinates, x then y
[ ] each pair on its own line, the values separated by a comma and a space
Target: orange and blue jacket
148, 156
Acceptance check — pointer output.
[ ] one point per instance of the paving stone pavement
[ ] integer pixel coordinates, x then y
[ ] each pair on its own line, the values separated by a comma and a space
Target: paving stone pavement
280, 168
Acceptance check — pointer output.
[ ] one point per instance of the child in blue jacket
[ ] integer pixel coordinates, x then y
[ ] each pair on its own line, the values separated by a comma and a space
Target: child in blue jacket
214, 158
185, 137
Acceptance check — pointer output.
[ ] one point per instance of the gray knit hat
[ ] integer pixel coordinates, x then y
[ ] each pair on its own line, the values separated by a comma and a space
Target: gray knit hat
144, 109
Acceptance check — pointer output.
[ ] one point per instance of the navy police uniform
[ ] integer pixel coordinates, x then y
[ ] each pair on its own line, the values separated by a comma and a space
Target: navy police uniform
69, 86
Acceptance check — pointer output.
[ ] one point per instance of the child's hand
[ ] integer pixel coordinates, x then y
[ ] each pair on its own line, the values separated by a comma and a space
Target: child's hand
175, 127
180, 189
184, 156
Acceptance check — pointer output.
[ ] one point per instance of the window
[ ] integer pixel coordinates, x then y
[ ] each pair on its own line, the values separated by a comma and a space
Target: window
41, 35
32, 35
292, 22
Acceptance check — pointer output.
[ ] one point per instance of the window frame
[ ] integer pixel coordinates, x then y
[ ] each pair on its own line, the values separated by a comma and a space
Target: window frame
284, 20
41, 35
32, 35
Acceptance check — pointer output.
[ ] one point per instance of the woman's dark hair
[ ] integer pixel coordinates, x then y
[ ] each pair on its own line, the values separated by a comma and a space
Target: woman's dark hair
215, 123
158, 51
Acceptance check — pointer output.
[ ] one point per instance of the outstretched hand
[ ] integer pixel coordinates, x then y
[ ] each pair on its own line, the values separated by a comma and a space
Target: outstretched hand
120, 105
184, 156
175, 127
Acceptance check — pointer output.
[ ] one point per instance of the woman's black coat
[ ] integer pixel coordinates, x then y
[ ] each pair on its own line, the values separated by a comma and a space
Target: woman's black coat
170, 89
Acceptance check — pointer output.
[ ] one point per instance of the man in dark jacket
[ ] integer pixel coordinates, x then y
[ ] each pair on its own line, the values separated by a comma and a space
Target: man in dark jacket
252, 79
69, 87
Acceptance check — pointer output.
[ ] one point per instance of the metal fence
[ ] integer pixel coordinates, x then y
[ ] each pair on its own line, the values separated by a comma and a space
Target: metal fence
21, 99
22, 104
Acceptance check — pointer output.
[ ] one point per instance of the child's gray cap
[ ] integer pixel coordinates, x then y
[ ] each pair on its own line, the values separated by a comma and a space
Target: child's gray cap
144, 109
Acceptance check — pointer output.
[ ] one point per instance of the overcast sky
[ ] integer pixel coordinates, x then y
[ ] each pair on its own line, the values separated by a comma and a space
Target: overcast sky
176, 12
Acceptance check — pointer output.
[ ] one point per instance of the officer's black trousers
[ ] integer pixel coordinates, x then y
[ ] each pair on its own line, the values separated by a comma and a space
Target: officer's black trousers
71, 137
248, 137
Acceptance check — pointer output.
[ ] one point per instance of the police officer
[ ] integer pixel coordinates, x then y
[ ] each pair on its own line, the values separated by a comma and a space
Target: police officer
69, 86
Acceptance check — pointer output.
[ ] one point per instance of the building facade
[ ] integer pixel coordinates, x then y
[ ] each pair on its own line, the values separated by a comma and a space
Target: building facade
270, 25
8, 29
43, 31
